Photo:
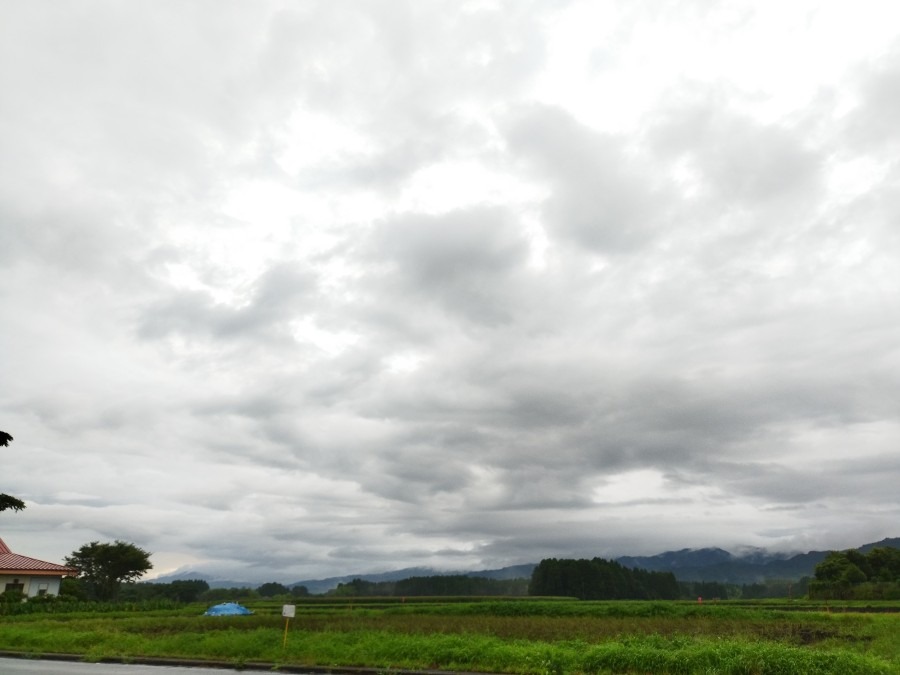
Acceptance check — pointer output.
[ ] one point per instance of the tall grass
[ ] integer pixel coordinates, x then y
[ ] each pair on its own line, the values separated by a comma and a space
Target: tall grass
65, 606
551, 638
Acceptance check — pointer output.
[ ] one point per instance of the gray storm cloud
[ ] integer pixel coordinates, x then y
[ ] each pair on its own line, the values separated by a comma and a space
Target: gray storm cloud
302, 290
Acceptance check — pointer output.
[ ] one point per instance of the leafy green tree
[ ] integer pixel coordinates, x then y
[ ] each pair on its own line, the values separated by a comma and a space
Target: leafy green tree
356, 588
832, 568
187, 590
600, 579
885, 563
853, 574
843, 568
861, 562
72, 588
271, 589
8, 502
104, 567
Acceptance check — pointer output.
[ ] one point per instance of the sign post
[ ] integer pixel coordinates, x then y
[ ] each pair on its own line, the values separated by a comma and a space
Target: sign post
288, 612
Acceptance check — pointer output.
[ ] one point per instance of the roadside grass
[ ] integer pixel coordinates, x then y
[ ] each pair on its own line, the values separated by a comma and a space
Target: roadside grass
532, 638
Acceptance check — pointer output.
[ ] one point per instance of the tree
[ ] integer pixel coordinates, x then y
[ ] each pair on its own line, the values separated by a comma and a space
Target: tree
105, 566
885, 563
356, 588
600, 579
8, 501
187, 590
72, 588
832, 568
271, 589
853, 574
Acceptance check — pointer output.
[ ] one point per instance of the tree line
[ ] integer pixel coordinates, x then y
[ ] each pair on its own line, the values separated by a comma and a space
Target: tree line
177, 591
198, 590
600, 579
438, 585
851, 574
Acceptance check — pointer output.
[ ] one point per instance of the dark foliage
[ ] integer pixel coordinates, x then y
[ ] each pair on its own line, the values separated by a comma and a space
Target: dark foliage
775, 588
600, 579
104, 567
271, 589
8, 502
853, 574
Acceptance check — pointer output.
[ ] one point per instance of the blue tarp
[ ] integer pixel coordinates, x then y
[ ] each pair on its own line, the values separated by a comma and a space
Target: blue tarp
227, 609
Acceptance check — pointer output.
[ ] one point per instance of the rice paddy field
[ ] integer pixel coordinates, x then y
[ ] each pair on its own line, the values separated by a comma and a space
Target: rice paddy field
528, 636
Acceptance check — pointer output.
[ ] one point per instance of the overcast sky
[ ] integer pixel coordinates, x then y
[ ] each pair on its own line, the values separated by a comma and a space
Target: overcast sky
299, 289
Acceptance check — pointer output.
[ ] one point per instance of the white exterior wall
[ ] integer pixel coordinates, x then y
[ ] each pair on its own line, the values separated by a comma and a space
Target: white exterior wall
33, 584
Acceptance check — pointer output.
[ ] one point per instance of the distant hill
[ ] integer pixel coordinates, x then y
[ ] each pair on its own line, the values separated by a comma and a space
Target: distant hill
714, 564
317, 586
214, 580
512, 572
704, 564
884, 543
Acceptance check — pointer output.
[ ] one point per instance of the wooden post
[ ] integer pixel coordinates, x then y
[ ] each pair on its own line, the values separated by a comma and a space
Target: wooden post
287, 611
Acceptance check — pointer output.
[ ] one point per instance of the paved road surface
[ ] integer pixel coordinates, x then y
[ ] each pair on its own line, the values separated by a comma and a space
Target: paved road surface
38, 667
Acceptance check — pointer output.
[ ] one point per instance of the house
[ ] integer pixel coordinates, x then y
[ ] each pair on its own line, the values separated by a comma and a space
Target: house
32, 577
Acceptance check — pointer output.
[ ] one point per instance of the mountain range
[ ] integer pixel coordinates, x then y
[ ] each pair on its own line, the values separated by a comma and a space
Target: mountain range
704, 564
754, 565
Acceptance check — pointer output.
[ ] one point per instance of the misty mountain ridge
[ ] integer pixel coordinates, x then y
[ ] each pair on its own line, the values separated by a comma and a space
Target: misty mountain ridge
317, 586
748, 565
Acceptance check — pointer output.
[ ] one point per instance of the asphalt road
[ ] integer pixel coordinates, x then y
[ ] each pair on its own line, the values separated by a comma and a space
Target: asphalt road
39, 667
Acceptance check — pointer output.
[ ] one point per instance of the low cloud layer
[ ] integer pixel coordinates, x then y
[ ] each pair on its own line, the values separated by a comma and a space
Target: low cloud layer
296, 290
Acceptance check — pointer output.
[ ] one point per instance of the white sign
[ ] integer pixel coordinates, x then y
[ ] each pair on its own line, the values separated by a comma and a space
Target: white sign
288, 611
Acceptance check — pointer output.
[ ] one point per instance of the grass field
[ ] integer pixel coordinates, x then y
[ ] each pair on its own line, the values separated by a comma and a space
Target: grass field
544, 637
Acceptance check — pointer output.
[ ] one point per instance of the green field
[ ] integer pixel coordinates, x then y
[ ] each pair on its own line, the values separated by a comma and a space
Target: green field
545, 637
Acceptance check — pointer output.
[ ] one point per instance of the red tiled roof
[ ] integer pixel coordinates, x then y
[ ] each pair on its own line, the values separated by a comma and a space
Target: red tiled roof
13, 562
